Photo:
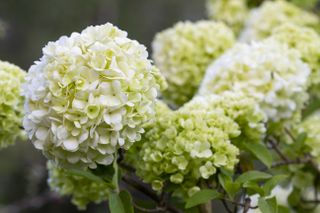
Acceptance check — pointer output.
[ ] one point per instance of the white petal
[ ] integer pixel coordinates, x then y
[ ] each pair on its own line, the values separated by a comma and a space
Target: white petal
71, 144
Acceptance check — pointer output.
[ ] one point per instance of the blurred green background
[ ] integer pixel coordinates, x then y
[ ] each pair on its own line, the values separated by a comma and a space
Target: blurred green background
30, 25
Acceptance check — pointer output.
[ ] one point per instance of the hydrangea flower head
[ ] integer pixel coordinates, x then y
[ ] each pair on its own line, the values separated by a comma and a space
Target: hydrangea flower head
89, 95
268, 71
11, 103
83, 190
186, 146
231, 12
183, 53
307, 42
270, 14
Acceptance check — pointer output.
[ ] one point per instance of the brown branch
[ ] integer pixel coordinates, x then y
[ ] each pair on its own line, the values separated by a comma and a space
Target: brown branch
157, 209
292, 162
247, 206
277, 150
244, 205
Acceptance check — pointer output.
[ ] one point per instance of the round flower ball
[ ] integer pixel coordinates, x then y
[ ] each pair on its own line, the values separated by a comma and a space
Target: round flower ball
82, 189
183, 147
89, 95
11, 103
270, 14
231, 12
307, 42
183, 53
268, 71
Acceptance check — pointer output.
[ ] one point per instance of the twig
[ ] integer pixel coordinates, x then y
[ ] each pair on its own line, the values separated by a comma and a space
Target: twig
226, 206
290, 134
157, 209
240, 204
292, 162
277, 150
247, 206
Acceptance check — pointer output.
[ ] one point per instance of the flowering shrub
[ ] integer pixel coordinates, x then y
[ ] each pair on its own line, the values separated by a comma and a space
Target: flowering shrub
237, 119
11, 103
271, 14
88, 95
183, 53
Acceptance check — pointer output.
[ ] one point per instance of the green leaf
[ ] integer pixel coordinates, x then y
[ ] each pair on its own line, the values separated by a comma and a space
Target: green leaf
228, 185
201, 197
294, 197
267, 206
254, 188
261, 152
273, 204
300, 141
126, 199
283, 209
104, 172
252, 176
275, 180
115, 204
86, 174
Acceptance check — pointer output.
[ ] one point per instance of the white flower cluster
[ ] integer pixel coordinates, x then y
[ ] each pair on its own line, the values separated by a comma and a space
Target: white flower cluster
268, 71
183, 53
89, 95
270, 14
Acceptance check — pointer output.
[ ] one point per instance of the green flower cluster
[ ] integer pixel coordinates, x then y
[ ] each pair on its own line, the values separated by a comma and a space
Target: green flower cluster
183, 53
307, 42
83, 190
11, 103
89, 95
231, 12
183, 147
311, 126
271, 14
268, 71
